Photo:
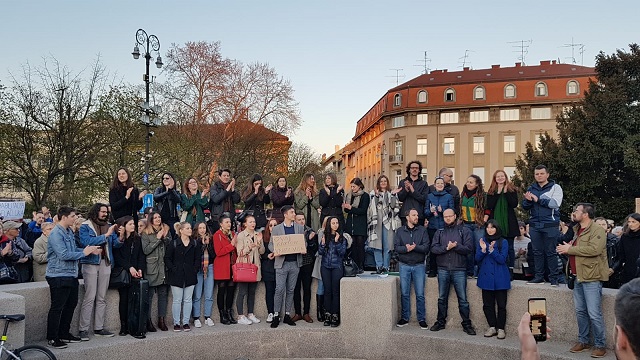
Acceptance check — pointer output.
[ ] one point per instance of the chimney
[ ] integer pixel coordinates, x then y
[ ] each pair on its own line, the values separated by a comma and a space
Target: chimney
336, 148
444, 70
466, 68
545, 62
518, 64
495, 66
553, 62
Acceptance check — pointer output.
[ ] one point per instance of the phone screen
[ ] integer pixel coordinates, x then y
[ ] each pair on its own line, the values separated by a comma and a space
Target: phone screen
538, 324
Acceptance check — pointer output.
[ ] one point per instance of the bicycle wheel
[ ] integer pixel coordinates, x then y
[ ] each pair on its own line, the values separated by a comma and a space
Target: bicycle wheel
34, 352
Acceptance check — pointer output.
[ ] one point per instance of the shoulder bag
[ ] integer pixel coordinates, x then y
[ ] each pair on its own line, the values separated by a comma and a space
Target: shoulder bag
8, 274
350, 267
120, 277
245, 271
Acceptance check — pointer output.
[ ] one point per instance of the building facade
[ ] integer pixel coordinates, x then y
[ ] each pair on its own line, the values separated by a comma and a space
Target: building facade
472, 121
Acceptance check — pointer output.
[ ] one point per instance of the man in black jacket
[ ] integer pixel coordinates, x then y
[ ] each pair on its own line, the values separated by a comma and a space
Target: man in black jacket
451, 246
447, 175
413, 193
412, 244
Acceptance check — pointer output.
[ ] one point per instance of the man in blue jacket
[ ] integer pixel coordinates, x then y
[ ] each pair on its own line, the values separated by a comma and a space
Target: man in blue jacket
62, 277
451, 246
412, 244
543, 199
96, 269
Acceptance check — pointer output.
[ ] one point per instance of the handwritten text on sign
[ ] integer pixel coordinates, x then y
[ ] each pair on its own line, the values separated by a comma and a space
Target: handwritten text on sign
289, 244
12, 210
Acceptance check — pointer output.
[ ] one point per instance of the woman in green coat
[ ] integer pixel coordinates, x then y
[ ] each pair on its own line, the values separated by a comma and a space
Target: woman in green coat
307, 201
193, 201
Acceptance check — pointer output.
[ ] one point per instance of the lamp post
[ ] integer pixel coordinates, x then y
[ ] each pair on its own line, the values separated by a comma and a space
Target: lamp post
149, 43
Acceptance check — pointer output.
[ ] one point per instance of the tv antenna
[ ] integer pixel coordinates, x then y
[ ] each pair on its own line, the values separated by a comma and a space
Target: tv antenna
398, 76
523, 46
573, 47
465, 59
424, 63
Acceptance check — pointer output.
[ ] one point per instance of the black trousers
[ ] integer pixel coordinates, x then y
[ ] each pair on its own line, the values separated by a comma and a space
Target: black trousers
64, 298
432, 265
331, 280
123, 305
357, 250
270, 292
304, 282
226, 291
489, 300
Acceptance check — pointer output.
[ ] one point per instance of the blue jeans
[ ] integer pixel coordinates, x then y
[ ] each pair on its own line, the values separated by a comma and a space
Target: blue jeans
417, 274
181, 301
476, 234
207, 284
320, 290
459, 280
544, 241
382, 256
587, 297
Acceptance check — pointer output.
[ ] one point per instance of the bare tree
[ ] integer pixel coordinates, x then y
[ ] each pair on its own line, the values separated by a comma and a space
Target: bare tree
302, 160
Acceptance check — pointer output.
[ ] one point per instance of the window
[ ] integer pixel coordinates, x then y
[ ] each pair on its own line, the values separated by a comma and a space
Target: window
480, 172
541, 89
397, 100
509, 91
479, 116
478, 144
397, 145
449, 95
449, 146
478, 93
573, 88
422, 147
449, 118
398, 121
423, 119
509, 114
398, 176
509, 143
510, 171
540, 113
537, 142
422, 96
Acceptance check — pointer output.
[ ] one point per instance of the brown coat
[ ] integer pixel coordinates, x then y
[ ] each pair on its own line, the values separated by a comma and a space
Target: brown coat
242, 246
590, 253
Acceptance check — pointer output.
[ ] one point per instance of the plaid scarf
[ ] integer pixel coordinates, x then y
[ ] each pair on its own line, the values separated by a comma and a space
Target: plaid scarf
205, 258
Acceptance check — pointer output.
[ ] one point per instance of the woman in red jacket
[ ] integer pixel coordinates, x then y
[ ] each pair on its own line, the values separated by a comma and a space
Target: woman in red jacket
224, 244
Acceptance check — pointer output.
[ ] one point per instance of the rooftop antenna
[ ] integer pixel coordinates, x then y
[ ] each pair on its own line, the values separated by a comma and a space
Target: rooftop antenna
465, 59
582, 46
523, 46
424, 63
398, 76
573, 47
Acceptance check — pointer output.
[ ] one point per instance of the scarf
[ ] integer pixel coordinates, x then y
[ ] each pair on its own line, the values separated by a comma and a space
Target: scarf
101, 227
500, 213
354, 198
227, 204
205, 258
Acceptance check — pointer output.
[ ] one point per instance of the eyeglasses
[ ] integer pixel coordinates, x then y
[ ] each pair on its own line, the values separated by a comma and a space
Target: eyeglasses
166, 178
449, 216
414, 168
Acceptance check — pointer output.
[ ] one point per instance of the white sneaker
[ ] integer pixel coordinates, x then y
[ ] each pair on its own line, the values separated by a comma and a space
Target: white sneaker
254, 319
490, 332
270, 318
197, 323
243, 320
209, 322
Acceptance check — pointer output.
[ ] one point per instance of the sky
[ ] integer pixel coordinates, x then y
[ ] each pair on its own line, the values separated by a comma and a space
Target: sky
338, 55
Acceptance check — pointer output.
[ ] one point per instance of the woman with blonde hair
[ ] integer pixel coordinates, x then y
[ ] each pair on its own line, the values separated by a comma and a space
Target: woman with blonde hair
249, 247
307, 201
155, 238
183, 262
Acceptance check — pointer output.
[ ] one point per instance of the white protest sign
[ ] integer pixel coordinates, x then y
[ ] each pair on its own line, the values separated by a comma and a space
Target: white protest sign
12, 210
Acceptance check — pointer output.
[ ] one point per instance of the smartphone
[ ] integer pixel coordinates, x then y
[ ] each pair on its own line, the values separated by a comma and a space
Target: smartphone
538, 324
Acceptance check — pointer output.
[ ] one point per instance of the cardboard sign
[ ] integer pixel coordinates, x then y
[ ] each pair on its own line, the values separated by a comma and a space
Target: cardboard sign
12, 210
289, 244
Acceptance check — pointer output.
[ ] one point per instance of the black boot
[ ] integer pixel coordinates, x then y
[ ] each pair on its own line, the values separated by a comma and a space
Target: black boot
150, 327
224, 318
231, 317
335, 320
123, 329
320, 307
327, 319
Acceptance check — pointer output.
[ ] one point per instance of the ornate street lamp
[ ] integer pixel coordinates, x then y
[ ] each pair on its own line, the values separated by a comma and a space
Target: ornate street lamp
150, 113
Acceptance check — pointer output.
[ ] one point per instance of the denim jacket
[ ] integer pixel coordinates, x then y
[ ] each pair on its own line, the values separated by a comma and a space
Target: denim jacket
62, 253
88, 237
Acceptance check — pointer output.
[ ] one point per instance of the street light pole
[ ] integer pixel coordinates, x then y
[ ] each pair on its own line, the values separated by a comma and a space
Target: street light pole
149, 43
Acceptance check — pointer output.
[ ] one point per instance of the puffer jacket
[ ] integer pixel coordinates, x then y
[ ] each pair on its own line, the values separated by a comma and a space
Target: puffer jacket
546, 211
493, 272
437, 198
333, 252
456, 258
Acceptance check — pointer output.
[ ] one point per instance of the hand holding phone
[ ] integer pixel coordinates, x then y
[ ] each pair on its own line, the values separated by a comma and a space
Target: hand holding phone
538, 323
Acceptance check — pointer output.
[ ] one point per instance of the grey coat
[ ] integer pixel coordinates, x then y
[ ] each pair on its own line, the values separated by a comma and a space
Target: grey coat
278, 230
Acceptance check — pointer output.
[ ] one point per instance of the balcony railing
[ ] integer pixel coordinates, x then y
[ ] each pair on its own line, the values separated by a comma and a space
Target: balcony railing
395, 159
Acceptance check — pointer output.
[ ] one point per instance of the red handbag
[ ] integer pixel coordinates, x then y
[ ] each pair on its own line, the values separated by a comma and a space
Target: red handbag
245, 271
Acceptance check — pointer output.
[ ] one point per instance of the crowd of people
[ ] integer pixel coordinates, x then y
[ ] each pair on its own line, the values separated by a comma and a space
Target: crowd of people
416, 229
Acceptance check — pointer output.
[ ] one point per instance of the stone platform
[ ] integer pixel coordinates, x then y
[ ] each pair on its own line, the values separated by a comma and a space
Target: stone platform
370, 309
